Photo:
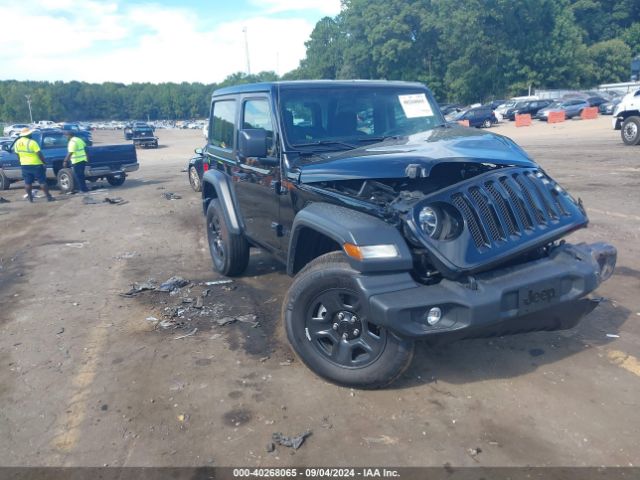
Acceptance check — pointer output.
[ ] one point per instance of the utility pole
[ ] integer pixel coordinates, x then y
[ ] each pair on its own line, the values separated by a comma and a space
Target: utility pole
246, 50
28, 97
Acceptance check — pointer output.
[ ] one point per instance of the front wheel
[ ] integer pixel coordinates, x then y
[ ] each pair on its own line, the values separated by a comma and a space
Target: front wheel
5, 183
486, 123
630, 131
229, 251
328, 326
194, 179
66, 180
116, 180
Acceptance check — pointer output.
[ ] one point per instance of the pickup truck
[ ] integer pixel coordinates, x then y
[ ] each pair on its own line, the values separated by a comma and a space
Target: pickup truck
111, 162
143, 136
626, 118
394, 225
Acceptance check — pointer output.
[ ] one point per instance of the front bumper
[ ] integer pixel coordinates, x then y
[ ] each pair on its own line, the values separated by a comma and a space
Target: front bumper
546, 294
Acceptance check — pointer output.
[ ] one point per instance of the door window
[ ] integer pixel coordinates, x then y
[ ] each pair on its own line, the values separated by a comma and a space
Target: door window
221, 126
257, 114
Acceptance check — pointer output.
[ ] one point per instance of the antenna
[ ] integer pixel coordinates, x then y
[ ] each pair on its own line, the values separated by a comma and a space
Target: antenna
246, 49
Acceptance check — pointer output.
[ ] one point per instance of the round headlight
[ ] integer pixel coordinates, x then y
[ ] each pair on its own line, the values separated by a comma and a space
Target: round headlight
429, 221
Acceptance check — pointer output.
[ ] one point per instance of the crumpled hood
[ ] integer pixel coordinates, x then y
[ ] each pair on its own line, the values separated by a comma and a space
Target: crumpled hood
389, 159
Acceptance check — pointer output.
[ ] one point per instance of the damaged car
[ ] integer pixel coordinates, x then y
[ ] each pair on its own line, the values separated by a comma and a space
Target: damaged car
395, 225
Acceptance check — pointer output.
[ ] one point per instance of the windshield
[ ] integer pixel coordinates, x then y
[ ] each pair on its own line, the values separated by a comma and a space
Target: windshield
350, 116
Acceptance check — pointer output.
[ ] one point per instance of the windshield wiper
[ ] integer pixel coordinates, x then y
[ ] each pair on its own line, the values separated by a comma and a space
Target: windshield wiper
323, 142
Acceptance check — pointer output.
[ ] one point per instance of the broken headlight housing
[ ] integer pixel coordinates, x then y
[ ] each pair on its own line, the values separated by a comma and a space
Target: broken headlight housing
439, 221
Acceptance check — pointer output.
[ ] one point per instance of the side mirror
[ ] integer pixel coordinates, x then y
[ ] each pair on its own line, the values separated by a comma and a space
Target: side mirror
198, 151
6, 147
253, 143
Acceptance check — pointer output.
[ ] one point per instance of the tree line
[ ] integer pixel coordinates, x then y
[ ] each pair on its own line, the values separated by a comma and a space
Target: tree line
465, 51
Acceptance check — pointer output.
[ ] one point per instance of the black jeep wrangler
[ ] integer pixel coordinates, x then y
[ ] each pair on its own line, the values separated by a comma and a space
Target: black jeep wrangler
395, 225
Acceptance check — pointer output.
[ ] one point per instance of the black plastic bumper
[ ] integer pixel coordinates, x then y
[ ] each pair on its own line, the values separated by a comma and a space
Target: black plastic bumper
546, 294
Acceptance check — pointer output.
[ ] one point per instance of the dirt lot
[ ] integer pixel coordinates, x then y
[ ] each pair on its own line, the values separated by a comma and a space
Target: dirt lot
86, 380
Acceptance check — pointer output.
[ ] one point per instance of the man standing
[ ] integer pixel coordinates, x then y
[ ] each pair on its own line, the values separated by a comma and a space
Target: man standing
32, 163
78, 156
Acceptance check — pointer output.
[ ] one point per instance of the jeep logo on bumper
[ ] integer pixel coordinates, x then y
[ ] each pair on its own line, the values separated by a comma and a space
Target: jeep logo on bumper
541, 296
536, 297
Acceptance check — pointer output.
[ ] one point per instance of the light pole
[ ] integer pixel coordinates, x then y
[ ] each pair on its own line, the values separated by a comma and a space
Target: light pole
28, 97
246, 49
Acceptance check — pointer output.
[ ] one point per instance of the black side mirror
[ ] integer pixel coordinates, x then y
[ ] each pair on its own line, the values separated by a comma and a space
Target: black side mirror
6, 147
253, 143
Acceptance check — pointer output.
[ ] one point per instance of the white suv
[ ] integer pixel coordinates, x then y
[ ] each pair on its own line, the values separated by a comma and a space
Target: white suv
14, 129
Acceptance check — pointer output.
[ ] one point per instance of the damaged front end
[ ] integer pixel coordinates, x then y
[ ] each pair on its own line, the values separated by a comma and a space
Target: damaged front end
486, 252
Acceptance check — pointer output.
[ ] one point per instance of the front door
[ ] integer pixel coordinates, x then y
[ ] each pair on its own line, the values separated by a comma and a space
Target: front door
257, 180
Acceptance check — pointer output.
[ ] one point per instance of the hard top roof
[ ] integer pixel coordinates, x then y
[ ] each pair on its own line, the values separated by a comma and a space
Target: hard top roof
271, 86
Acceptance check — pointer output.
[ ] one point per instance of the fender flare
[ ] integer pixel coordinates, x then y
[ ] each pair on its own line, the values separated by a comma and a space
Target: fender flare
220, 184
344, 225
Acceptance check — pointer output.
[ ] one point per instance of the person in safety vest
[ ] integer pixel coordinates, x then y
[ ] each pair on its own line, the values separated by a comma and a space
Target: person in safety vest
77, 154
32, 163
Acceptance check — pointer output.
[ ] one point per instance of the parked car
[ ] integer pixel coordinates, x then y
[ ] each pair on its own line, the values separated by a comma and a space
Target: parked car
607, 108
571, 108
480, 117
493, 104
626, 118
198, 164
396, 228
11, 130
128, 128
596, 101
143, 136
110, 162
448, 108
531, 107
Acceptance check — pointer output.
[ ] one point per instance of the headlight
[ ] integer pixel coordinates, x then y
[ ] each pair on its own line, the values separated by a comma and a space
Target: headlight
429, 221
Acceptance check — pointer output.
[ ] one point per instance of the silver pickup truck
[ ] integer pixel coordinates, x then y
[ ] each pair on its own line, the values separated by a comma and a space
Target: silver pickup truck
110, 162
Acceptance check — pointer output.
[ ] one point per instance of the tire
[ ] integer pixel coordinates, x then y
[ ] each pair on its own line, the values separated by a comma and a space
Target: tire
5, 183
229, 251
194, 179
66, 180
326, 322
486, 123
630, 131
116, 180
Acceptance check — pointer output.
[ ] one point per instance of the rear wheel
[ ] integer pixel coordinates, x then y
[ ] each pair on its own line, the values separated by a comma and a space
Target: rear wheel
229, 251
328, 326
486, 123
630, 131
116, 180
5, 183
66, 180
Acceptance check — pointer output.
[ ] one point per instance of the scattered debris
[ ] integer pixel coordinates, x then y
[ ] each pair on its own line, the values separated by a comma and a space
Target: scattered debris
612, 335
74, 245
326, 423
264, 359
152, 319
250, 319
291, 442
184, 170
199, 303
171, 196
183, 417
187, 300
174, 283
60, 332
286, 364
474, 452
136, 288
90, 201
270, 447
381, 440
215, 336
192, 332
126, 255
166, 324
205, 293
218, 282
114, 201
4, 200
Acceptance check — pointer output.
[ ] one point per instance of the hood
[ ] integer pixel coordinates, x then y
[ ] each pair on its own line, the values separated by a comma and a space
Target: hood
425, 150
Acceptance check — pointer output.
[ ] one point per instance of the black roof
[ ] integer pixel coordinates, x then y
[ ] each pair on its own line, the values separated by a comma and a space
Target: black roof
271, 86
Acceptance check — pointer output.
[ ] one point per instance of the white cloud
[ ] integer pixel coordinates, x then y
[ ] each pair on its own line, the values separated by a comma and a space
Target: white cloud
326, 7
104, 41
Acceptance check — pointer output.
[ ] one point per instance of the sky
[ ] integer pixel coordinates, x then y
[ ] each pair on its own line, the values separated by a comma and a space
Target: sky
153, 41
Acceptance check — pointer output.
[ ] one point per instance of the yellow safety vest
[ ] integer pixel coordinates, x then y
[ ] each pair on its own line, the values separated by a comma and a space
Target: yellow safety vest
77, 150
27, 150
